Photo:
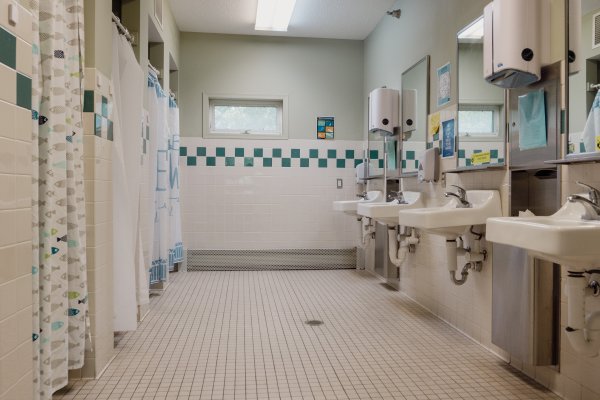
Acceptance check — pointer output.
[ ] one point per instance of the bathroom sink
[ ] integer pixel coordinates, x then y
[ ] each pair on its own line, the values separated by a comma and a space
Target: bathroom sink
349, 206
450, 220
387, 213
563, 238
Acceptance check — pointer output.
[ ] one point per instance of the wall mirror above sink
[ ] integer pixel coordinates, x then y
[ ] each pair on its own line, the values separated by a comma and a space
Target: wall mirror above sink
584, 79
481, 111
377, 149
415, 108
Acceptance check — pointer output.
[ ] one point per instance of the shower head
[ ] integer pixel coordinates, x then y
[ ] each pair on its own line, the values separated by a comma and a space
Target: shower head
395, 13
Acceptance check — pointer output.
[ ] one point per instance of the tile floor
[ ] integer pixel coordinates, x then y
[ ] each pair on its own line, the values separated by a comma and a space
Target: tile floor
242, 335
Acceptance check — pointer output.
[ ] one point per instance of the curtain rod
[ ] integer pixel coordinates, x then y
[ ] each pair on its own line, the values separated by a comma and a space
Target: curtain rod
153, 68
122, 29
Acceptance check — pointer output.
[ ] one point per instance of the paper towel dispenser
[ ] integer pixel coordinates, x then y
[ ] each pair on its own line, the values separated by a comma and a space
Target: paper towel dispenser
512, 45
383, 111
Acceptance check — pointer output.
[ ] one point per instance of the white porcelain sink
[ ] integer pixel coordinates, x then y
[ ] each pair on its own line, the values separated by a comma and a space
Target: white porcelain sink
451, 221
563, 237
349, 206
387, 213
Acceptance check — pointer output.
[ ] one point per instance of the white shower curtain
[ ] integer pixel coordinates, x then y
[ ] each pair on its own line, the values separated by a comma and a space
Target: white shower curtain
128, 89
175, 239
59, 275
167, 246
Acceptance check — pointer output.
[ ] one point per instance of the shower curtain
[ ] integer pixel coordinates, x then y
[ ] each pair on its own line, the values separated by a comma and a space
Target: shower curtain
175, 239
167, 245
59, 254
128, 90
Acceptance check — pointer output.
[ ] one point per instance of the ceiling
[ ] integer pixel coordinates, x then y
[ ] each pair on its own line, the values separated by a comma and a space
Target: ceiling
333, 19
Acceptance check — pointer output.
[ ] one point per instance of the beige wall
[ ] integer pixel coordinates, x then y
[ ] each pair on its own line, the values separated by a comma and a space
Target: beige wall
320, 77
16, 300
98, 35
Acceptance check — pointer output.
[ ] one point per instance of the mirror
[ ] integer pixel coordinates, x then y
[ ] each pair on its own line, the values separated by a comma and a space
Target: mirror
376, 155
583, 78
415, 108
481, 113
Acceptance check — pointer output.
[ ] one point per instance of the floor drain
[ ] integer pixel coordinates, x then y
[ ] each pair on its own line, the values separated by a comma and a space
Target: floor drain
314, 322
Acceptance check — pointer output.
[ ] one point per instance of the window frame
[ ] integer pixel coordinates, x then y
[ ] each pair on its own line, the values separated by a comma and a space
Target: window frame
209, 100
498, 116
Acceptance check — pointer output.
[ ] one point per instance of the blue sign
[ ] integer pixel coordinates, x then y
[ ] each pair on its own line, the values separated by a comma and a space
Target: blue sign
448, 138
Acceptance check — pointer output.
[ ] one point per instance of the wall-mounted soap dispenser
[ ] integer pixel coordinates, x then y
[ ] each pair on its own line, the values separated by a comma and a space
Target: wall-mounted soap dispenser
383, 111
512, 46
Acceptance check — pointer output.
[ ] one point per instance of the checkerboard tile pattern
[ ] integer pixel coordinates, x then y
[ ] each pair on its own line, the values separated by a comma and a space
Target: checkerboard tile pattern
242, 335
98, 106
468, 149
15, 65
276, 157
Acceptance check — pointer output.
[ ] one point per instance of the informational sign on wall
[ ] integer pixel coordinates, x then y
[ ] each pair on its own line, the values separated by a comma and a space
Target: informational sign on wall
448, 138
444, 87
325, 127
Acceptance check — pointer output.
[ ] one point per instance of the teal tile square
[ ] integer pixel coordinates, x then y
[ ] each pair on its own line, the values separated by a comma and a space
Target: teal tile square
239, 152
380, 163
98, 125
201, 151
410, 154
248, 161
109, 132
304, 162
88, 101
220, 151
183, 151
313, 153
477, 151
295, 153
493, 153
23, 91
429, 145
468, 160
461, 153
8, 49
258, 152
349, 154
403, 164
211, 161
322, 163
276, 153
357, 162
230, 161
340, 163
501, 161
267, 162
331, 153
286, 162
373, 154
191, 161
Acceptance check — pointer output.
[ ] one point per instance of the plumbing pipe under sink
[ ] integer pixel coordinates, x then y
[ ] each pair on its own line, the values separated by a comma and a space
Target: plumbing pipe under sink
367, 230
397, 249
474, 255
582, 331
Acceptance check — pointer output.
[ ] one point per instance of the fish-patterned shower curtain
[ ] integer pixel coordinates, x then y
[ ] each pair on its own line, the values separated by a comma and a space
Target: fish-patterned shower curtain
59, 254
167, 244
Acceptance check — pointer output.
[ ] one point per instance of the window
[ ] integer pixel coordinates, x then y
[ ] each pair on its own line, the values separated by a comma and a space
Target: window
479, 121
245, 117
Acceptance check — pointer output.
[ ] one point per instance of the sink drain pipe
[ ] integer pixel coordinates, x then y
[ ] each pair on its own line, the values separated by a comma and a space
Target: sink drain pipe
398, 249
474, 256
366, 231
583, 331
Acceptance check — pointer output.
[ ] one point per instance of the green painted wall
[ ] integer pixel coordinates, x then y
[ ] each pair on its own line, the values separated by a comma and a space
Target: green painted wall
321, 77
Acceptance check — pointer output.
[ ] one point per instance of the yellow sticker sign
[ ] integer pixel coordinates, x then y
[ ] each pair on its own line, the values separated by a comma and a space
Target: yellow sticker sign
481, 158
597, 143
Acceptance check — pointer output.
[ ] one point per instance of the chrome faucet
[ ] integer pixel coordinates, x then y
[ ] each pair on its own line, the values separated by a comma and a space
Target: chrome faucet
363, 195
399, 196
461, 195
591, 205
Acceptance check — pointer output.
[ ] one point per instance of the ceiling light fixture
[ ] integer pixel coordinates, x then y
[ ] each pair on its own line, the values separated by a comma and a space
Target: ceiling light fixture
274, 15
